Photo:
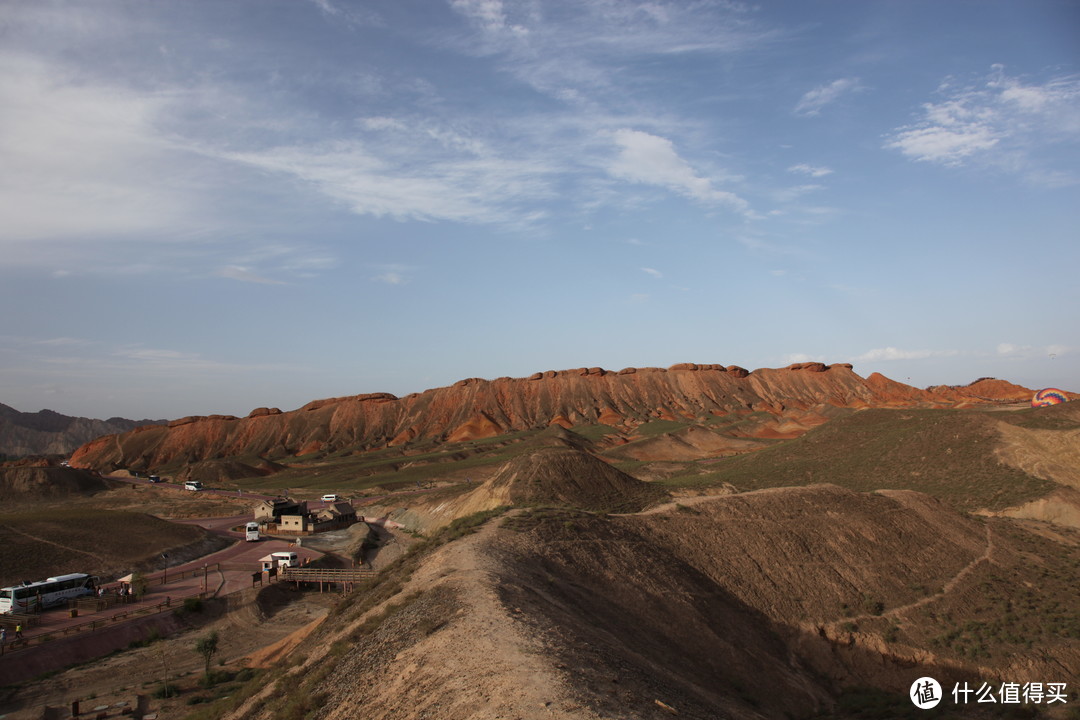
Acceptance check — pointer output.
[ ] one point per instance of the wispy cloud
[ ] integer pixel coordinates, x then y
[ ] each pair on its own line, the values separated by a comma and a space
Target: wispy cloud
653, 160
812, 103
352, 14
653, 272
1012, 350
81, 357
451, 185
575, 51
391, 278
1001, 120
892, 353
811, 170
243, 274
80, 158
394, 273
786, 195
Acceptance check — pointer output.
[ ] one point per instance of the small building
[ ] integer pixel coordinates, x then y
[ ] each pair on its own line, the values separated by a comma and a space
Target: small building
271, 511
339, 512
299, 523
295, 519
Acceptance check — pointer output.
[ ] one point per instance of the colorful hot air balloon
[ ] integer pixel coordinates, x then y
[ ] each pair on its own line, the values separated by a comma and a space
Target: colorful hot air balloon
1048, 396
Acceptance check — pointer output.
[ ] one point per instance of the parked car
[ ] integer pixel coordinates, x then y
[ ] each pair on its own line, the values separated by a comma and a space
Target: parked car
330, 497
286, 559
154, 478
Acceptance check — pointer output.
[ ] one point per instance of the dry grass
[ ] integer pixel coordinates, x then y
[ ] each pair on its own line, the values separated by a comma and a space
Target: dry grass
944, 453
42, 543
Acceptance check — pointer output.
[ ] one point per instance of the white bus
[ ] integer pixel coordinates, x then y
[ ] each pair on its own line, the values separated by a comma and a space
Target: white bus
54, 591
251, 532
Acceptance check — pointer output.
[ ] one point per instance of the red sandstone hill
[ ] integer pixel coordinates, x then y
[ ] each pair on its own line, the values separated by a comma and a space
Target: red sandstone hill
476, 408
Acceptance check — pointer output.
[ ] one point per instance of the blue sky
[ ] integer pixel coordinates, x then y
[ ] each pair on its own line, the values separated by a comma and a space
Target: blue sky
211, 206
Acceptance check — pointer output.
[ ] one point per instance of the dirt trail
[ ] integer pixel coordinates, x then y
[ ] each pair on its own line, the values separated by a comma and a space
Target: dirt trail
272, 653
68, 548
504, 673
834, 627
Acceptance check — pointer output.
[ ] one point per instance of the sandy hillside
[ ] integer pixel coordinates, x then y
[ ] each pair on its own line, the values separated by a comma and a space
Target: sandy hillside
761, 605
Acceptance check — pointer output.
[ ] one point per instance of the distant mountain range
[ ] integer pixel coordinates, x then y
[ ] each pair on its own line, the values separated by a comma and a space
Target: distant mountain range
49, 433
802, 395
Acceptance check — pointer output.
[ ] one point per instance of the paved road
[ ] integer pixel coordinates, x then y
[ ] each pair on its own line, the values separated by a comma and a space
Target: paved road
362, 500
206, 491
202, 576
168, 583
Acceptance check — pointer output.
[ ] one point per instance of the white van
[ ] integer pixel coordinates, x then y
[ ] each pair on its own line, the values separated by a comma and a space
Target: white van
286, 558
251, 532
194, 485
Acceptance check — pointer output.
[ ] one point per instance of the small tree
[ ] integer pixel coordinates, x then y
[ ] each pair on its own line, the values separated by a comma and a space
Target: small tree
138, 585
207, 647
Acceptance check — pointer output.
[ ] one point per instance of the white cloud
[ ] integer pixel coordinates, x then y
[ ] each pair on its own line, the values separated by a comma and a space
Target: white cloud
418, 183
1011, 350
811, 170
1000, 120
236, 272
352, 14
394, 273
651, 271
82, 159
813, 101
382, 123
892, 353
60, 342
575, 52
489, 16
327, 7
756, 244
391, 278
653, 160
950, 132
791, 194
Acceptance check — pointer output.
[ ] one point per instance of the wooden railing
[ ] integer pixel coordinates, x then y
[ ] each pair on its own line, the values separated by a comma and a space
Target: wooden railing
326, 574
13, 645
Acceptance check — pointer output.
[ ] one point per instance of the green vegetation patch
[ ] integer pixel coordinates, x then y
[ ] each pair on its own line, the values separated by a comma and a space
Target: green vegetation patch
1004, 610
945, 453
660, 427
594, 432
396, 468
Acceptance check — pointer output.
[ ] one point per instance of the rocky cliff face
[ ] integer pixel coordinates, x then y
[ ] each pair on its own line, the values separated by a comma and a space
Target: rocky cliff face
50, 433
476, 408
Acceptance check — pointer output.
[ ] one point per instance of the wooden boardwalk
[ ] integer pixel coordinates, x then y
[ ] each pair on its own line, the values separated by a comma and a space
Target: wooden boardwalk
307, 574
346, 577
